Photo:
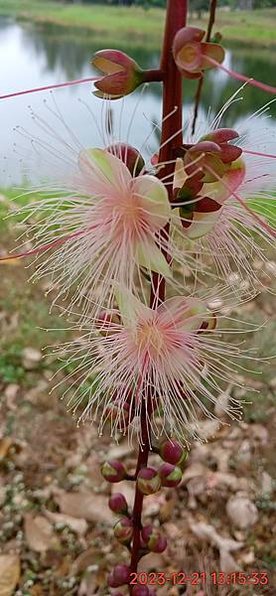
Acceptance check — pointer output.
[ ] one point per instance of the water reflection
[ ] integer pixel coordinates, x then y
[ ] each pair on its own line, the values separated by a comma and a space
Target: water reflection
37, 55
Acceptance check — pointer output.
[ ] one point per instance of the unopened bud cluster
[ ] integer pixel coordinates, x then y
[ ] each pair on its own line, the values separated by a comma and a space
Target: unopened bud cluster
149, 481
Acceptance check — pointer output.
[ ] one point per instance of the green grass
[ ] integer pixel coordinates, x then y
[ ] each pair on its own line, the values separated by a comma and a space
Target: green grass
119, 24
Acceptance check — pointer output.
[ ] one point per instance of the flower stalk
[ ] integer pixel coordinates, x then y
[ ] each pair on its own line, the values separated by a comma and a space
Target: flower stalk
171, 137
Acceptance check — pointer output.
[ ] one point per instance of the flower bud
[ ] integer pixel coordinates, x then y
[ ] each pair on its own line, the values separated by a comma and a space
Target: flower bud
111, 581
173, 453
113, 470
153, 540
170, 475
146, 532
122, 75
157, 543
129, 155
123, 530
117, 503
192, 54
121, 574
148, 481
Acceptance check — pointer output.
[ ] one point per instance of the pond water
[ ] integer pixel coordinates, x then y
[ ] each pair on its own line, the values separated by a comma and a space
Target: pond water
32, 56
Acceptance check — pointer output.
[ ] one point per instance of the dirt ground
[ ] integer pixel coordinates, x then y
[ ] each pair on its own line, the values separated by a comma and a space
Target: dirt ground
56, 534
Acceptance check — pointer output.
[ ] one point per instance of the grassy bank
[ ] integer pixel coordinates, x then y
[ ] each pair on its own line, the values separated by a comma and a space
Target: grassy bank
135, 23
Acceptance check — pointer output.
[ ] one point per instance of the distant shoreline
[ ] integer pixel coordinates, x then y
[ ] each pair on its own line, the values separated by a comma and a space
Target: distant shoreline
120, 25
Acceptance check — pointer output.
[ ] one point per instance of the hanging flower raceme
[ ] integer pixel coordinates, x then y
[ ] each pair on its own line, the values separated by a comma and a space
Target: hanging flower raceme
168, 357
121, 74
102, 226
215, 183
193, 56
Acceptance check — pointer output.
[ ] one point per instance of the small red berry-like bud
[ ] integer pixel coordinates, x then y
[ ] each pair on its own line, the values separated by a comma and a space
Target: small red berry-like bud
157, 544
170, 475
113, 471
148, 481
146, 532
123, 530
153, 540
111, 581
118, 503
129, 155
173, 453
140, 591
121, 574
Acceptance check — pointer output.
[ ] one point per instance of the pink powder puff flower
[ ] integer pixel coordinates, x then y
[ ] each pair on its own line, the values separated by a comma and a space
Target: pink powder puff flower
101, 228
225, 184
169, 356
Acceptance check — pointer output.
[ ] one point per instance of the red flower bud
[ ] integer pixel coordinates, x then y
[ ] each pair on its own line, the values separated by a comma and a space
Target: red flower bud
148, 481
111, 581
173, 453
221, 135
123, 530
153, 540
117, 503
146, 532
170, 475
157, 543
129, 155
121, 574
122, 75
113, 471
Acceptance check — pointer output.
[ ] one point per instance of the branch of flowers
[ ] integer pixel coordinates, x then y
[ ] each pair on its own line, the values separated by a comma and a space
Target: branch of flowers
172, 97
212, 16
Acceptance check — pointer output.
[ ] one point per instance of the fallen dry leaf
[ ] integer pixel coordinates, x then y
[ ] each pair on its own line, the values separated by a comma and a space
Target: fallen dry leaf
84, 505
5, 444
242, 512
31, 358
227, 562
9, 574
77, 525
208, 532
90, 556
39, 533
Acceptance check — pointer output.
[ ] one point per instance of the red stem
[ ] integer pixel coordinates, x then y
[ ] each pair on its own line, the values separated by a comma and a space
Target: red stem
171, 127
